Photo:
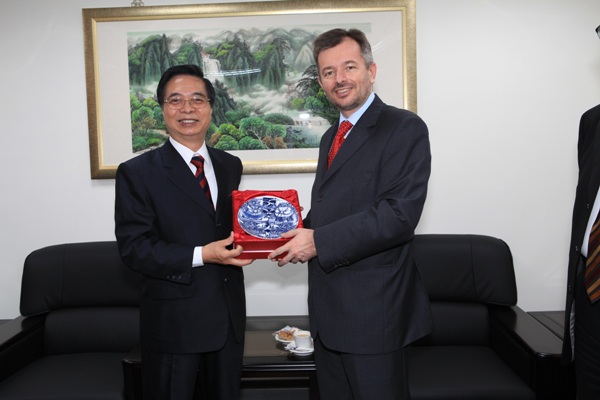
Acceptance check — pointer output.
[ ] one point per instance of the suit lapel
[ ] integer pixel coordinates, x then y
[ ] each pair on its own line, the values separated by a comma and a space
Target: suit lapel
179, 173
356, 139
595, 165
221, 174
326, 142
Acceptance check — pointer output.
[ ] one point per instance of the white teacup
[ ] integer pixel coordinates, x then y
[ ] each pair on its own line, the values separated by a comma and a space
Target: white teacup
303, 339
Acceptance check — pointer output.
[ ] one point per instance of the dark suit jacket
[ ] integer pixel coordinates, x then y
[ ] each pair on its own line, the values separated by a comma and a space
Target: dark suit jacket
365, 295
161, 215
588, 151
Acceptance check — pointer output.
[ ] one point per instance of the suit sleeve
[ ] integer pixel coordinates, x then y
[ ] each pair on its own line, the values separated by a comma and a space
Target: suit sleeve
391, 204
142, 246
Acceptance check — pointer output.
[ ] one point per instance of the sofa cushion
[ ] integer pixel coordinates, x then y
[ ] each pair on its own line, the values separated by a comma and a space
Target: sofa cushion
458, 324
462, 373
94, 329
91, 376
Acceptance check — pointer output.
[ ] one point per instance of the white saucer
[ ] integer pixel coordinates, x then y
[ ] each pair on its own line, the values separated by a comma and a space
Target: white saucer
291, 347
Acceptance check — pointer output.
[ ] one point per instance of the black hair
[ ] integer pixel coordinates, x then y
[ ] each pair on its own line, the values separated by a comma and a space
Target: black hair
333, 37
186, 69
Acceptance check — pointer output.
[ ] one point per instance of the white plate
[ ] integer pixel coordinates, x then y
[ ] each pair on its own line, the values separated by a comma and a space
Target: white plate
281, 340
291, 347
285, 328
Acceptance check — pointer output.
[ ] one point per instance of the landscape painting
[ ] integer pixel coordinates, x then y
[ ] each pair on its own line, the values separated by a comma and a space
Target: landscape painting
267, 93
269, 109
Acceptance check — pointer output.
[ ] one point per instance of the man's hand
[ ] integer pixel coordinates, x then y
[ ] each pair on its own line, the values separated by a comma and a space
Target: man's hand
218, 253
300, 249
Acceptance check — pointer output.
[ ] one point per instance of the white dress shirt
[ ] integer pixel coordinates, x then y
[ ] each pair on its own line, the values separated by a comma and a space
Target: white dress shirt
209, 172
353, 119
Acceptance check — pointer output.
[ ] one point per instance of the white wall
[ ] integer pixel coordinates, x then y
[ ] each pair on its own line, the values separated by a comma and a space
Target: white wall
501, 84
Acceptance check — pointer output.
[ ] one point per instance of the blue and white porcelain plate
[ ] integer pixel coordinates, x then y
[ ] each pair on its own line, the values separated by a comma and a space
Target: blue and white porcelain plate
267, 217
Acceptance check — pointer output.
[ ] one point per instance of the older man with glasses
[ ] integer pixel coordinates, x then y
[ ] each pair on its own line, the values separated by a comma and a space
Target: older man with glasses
173, 218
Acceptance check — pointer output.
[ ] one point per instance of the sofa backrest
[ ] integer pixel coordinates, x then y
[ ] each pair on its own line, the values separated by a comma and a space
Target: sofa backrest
90, 297
77, 275
462, 275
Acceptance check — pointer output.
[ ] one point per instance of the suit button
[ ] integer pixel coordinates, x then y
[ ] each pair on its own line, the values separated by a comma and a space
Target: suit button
320, 198
225, 279
576, 249
570, 289
587, 206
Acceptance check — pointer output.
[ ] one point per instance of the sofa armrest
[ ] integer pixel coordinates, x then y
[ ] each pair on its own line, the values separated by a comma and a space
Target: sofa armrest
532, 351
21, 342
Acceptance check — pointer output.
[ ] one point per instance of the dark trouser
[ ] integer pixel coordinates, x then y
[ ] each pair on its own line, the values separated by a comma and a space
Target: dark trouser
174, 376
344, 376
587, 342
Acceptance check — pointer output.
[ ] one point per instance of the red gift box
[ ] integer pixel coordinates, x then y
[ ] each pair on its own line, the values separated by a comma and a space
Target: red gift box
263, 217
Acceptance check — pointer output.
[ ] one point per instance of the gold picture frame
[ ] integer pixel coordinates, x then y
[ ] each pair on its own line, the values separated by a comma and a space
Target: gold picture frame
108, 32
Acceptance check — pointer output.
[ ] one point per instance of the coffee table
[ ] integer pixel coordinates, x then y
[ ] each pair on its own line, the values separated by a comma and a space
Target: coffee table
266, 362
268, 365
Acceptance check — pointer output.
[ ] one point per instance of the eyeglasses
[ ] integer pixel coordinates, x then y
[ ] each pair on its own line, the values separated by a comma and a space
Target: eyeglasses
177, 102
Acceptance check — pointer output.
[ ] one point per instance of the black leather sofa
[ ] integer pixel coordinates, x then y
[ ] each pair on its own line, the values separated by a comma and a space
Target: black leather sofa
80, 320
483, 346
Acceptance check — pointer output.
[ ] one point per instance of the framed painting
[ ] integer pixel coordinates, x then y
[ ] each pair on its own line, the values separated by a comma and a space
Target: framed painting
270, 110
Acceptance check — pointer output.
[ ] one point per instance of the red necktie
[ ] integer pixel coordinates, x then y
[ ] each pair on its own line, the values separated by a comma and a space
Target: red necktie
592, 265
339, 139
198, 161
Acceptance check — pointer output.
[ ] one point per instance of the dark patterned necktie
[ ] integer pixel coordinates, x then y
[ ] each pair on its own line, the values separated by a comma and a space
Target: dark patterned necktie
592, 265
198, 162
339, 139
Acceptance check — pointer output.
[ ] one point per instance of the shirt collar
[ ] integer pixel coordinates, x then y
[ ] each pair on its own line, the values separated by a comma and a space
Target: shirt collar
353, 119
187, 153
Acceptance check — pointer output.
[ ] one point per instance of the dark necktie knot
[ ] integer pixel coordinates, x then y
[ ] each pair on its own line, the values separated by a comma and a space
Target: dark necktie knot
198, 162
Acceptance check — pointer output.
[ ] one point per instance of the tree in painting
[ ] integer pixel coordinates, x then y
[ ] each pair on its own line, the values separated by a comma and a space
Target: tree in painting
267, 93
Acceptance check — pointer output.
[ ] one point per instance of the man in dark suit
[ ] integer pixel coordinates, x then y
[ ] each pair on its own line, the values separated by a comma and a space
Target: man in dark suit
366, 300
176, 232
582, 317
